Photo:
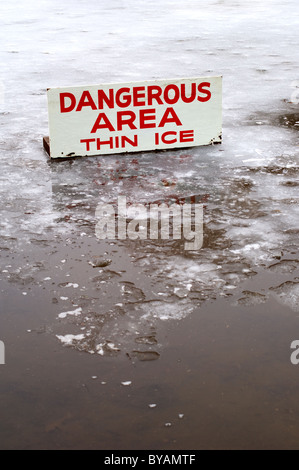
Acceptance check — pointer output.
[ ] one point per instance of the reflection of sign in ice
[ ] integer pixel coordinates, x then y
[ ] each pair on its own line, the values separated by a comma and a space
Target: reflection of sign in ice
2, 353
132, 117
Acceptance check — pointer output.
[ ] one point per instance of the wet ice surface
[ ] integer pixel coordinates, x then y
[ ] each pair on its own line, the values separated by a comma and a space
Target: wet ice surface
112, 298
248, 184
129, 287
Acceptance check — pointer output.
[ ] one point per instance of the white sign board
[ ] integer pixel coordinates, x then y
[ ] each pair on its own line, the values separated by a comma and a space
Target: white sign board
133, 117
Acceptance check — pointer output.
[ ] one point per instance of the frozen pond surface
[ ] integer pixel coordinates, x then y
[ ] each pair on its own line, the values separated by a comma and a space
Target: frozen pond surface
149, 314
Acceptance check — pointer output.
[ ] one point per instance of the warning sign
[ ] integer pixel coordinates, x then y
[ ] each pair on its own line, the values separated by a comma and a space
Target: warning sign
134, 117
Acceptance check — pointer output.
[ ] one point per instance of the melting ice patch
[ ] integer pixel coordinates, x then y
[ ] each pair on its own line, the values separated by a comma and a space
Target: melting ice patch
72, 284
251, 298
288, 294
74, 313
70, 340
165, 310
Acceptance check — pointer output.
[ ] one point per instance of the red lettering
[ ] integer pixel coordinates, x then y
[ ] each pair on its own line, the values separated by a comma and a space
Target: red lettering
147, 115
125, 139
105, 142
126, 99
108, 100
182, 136
201, 89
186, 136
170, 116
138, 94
169, 141
106, 124
87, 142
63, 107
193, 93
126, 118
86, 100
176, 96
154, 92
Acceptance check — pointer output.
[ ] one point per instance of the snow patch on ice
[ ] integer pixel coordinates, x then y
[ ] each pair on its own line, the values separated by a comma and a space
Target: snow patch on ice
74, 313
68, 340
